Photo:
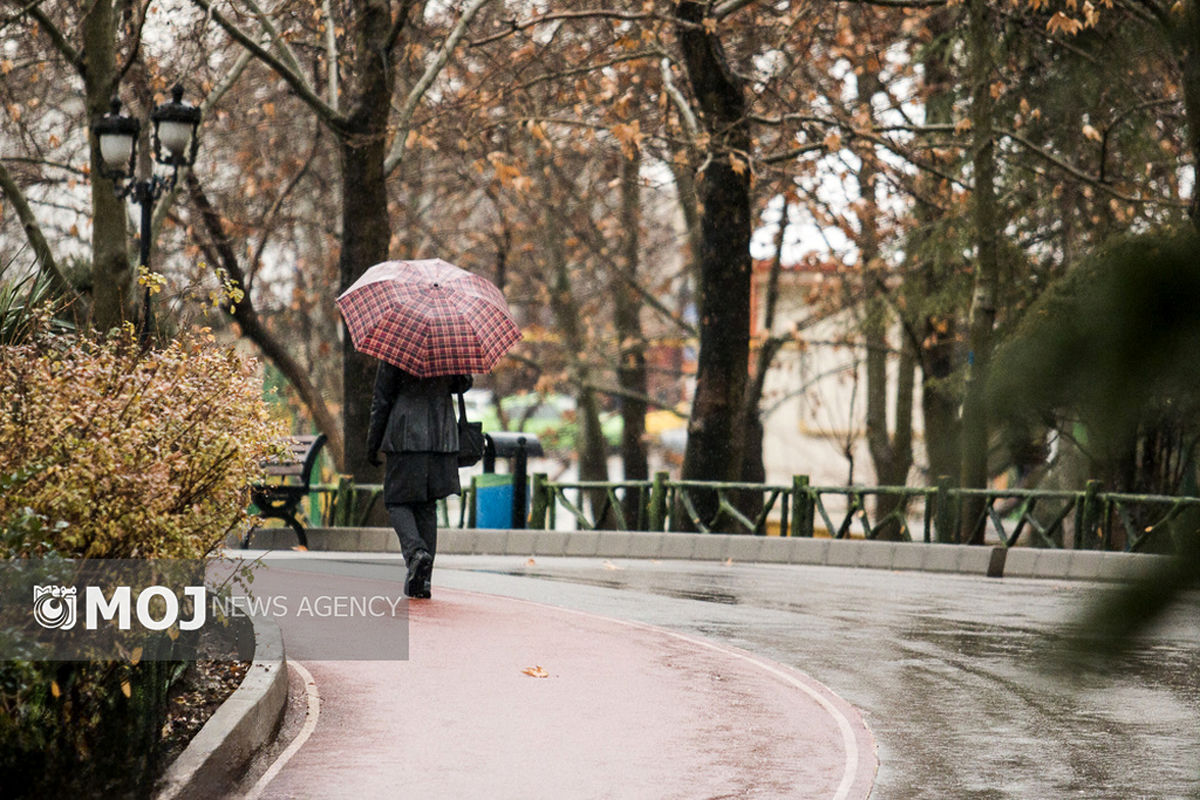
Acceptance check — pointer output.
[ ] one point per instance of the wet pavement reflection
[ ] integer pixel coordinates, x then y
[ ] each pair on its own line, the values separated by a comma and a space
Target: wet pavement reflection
962, 679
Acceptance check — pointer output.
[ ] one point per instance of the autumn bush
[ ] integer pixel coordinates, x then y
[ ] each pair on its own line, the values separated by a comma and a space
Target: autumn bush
125, 453
108, 450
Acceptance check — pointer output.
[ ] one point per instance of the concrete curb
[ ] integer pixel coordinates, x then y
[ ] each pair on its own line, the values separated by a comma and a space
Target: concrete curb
996, 562
243, 723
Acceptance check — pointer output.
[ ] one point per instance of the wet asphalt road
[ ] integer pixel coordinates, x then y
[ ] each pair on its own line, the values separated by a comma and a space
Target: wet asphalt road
957, 676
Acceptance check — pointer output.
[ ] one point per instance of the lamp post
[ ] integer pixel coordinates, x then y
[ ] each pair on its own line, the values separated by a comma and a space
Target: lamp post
174, 143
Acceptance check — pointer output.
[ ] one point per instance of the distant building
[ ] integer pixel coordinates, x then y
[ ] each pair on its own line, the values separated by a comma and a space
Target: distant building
814, 399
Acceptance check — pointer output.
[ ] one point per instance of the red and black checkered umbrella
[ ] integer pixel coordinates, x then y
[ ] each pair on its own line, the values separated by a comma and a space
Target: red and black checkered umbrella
429, 318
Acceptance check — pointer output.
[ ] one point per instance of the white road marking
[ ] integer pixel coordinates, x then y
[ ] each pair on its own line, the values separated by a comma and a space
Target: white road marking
849, 740
310, 724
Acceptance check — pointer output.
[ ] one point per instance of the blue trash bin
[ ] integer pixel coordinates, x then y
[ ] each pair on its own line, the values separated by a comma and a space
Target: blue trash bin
493, 500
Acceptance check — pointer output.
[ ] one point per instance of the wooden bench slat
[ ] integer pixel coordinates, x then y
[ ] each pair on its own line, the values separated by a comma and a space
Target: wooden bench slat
281, 499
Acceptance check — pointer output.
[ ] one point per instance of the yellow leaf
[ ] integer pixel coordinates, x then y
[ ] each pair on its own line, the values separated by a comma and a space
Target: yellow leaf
738, 165
54, 690
530, 563
1061, 23
135, 656
536, 672
1091, 133
126, 689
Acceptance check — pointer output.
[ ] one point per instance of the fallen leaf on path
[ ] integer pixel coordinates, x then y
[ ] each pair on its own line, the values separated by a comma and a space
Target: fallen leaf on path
530, 563
536, 672
610, 565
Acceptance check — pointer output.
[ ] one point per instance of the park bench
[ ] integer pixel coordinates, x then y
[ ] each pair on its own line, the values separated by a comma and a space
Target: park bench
289, 480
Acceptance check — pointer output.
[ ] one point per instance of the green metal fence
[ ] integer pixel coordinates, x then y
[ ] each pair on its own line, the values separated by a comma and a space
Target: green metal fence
1088, 519
1085, 519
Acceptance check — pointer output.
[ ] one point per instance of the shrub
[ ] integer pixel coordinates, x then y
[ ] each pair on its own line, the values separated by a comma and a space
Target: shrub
109, 451
126, 453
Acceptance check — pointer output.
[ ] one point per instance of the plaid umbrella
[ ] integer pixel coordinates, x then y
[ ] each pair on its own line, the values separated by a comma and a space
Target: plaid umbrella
428, 317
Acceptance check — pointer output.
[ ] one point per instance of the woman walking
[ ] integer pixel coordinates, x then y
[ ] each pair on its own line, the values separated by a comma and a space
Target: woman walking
413, 423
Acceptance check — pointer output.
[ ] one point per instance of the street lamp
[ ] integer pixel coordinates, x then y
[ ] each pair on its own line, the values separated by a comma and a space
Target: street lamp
174, 142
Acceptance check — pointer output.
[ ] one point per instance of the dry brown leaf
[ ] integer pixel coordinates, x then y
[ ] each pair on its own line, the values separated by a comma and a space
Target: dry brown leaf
536, 672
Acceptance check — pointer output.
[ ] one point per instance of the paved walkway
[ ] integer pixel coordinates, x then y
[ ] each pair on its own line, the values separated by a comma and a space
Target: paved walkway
626, 710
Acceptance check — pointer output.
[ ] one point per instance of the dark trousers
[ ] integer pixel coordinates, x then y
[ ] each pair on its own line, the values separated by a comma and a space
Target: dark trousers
416, 526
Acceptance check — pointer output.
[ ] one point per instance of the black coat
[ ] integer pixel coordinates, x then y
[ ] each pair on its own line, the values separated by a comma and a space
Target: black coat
414, 415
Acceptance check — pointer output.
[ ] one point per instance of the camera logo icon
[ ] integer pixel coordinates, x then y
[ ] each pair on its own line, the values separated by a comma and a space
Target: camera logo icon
54, 606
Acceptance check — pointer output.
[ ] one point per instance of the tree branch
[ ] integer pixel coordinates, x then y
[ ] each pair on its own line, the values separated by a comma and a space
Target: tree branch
74, 57
432, 70
1077, 173
327, 113
244, 313
513, 26
33, 232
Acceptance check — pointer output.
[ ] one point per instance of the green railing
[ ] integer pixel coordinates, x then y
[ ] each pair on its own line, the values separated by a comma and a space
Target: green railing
1086, 519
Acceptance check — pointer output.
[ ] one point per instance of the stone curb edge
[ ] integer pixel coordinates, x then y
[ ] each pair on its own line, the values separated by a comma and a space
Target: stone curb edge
992, 561
239, 727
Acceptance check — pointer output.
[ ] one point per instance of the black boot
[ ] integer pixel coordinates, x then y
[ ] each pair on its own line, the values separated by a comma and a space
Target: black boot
420, 566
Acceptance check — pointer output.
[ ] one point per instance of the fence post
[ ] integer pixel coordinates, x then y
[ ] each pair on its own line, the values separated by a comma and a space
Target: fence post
658, 502
802, 507
947, 516
343, 502
472, 505
539, 501
1089, 516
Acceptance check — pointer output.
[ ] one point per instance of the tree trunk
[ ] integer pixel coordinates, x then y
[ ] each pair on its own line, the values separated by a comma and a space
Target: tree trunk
716, 440
891, 454
631, 372
1189, 45
366, 227
938, 329
983, 300
590, 446
111, 271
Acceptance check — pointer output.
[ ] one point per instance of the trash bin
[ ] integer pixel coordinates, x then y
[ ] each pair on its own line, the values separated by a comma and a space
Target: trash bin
493, 500
516, 447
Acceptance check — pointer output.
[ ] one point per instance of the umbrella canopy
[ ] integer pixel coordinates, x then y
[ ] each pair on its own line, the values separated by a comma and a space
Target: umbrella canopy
428, 317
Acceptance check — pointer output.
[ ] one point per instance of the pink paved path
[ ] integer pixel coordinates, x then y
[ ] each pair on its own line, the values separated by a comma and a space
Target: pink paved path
628, 711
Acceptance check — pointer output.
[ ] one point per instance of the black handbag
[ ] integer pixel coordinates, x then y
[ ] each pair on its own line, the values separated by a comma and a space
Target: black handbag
470, 437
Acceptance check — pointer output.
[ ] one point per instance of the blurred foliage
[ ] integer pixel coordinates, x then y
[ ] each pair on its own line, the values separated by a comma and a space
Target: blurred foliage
130, 454
553, 418
1115, 345
1113, 348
